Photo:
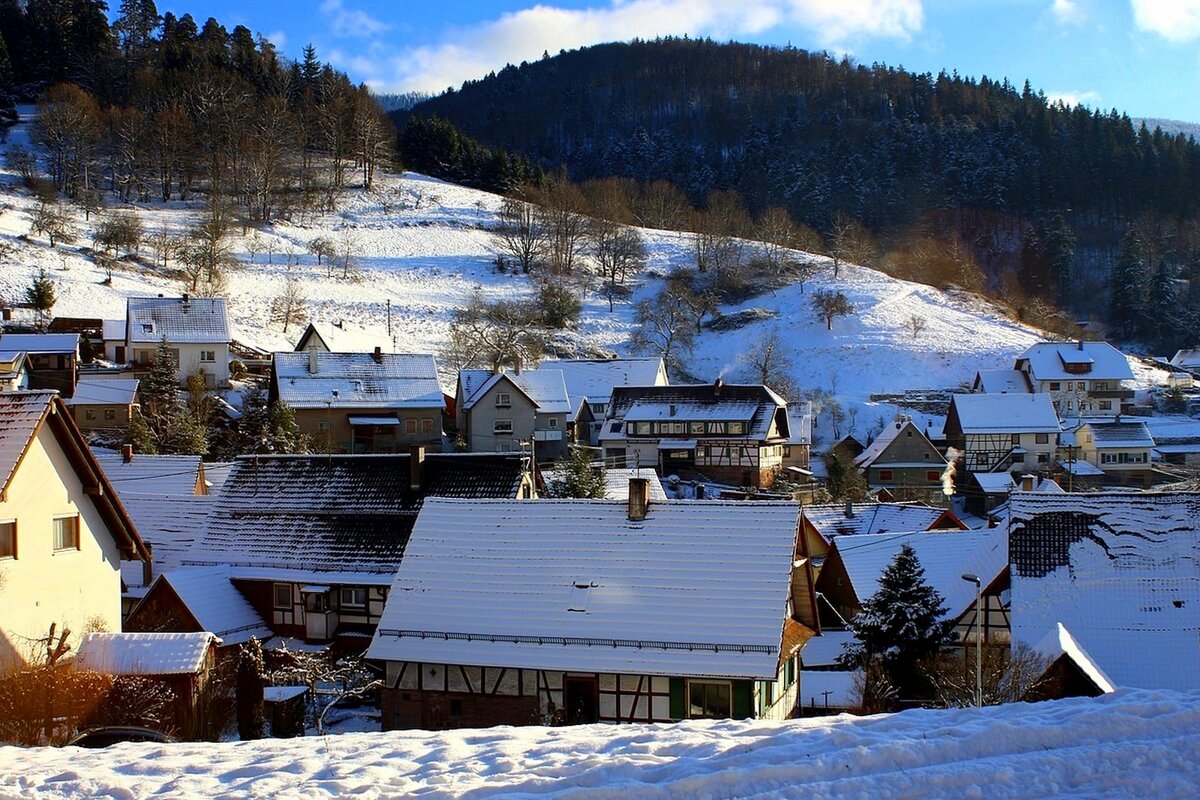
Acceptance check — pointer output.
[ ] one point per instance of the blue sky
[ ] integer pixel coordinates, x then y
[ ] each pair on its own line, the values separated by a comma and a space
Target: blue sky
1140, 56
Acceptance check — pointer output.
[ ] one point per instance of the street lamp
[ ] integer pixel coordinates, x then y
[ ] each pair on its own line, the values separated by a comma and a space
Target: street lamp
972, 578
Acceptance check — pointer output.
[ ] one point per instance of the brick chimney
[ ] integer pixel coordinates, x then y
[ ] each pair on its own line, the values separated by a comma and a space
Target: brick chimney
416, 466
718, 385
639, 499
148, 564
378, 354
849, 509
126, 453
1027, 483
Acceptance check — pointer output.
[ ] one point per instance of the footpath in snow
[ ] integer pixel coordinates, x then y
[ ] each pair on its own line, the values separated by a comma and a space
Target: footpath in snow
1131, 744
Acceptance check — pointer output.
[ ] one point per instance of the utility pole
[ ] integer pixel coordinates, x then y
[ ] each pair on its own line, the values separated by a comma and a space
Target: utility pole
971, 578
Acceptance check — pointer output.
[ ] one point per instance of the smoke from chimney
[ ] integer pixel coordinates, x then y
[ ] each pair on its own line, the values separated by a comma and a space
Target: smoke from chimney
948, 474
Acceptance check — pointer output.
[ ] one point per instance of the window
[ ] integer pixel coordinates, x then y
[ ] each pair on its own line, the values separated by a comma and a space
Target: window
1106, 405
410, 426
353, 597
1043, 458
66, 533
110, 414
1016, 440
90, 414
1070, 405
737, 427
147, 327
709, 700
8, 539
208, 356
323, 427
932, 475
695, 427
643, 428
503, 400
1042, 438
502, 426
789, 671
1055, 386
787, 451
1080, 385
885, 474
427, 425
283, 595
552, 422
716, 427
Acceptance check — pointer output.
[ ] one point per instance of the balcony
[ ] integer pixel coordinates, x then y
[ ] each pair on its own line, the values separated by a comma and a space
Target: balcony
1111, 394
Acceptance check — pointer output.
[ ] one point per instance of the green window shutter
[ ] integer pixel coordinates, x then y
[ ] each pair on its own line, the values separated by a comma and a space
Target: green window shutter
678, 698
742, 700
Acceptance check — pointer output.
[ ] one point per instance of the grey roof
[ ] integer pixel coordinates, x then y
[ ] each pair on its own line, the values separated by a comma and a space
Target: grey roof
20, 415
1002, 381
104, 392
337, 513
866, 518
1121, 571
170, 524
39, 342
596, 378
196, 320
150, 474
1121, 434
396, 380
1047, 361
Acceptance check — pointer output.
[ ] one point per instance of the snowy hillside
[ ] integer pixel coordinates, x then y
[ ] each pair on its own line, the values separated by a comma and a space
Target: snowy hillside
425, 246
1133, 743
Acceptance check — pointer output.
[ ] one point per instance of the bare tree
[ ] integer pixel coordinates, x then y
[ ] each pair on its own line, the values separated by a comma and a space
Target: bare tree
205, 254
505, 332
54, 222
290, 305
618, 251
661, 205
348, 252
665, 327
561, 208
323, 248
340, 679
163, 245
521, 235
915, 325
1009, 675
850, 241
829, 305
770, 361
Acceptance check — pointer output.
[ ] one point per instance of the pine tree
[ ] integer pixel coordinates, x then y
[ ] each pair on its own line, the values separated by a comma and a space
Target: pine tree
582, 478
901, 627
1127, 288
160, 389
1059, 242
285, 431
41, 295
1161, 321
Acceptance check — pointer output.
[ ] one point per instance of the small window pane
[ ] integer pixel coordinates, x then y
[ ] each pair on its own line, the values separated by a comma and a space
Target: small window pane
283, 595
8, 540
66, 533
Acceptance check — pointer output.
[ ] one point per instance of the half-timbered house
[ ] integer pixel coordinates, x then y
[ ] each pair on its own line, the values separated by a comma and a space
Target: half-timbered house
1003, 432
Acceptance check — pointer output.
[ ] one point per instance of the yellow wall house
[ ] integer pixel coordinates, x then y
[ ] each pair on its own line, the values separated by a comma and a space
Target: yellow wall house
63, 532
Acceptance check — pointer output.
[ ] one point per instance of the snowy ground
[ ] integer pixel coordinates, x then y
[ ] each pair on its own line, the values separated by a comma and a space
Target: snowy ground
1133, 743
425, 247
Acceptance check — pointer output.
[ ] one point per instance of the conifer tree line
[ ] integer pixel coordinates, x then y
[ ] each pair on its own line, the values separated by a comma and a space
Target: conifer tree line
938, 178
159, 107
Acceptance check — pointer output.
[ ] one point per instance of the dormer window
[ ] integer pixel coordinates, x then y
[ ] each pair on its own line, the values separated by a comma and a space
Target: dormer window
147, 327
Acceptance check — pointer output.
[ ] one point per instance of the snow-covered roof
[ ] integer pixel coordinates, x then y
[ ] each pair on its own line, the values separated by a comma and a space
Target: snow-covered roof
1001, 381
799, 423
1120, 435
824, 650
995, 482
279, 694
830, 520
944, 555
545, 387
576, 585
1047, 361
596, 378
104, 392
755, 405
1186, 359
342, 337
20, 415
144, 653
1121, 571
216, 603
1059, 643
170, 524
616, 483
113, 330
395, 380
889, 434
216, 473
180, 320
150, 474
39, 343
335, 514
1005, 413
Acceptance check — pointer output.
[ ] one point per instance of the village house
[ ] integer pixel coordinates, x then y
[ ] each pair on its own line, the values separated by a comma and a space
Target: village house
1120, 451
362, 402
582, 611
903, 460
732, 433
63, 532
593, 380
40, 361
100, 403
1119, 571
1187, 360
183, 662
198, 599
340, 337
1003, 432
196, 330
312, 542
1083, 379
1001, 381
1070, 670
498, 411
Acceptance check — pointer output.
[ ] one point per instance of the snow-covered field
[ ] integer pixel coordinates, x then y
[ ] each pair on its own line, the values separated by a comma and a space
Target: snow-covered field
1131, 744
425, 247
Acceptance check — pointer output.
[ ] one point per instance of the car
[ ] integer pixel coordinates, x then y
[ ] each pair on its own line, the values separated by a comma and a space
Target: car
103, 737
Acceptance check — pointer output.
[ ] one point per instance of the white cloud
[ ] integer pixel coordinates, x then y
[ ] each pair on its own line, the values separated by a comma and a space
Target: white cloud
277, 38
523, 35
1174, 20
1067, 12
351, 22
1088, 98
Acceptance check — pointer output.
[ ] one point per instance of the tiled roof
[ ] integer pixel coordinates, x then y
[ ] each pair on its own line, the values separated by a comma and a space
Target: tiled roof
20, 415
1121, 571
1046, 361
39, 342
216, 603
198, 320
1005, 413
170, 524
338, 513
144, 653
576, 585
831, 520
1121, 434
150, 474
396, 380
104, 392
757, 405
545, 387
1002, 381
343, 337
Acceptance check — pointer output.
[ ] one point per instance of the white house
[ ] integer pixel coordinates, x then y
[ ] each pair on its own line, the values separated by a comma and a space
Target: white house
63, 532
196, 330
1083, 379
1003, 432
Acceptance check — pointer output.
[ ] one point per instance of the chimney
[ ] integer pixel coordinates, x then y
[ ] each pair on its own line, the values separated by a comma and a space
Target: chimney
849, 509
126, 453
185, 302
1027, 483
517, 365
378, 354
312, 362
992, 522
148, 565
1081, 343
671, 410
416, 465
639, 499
718, 384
